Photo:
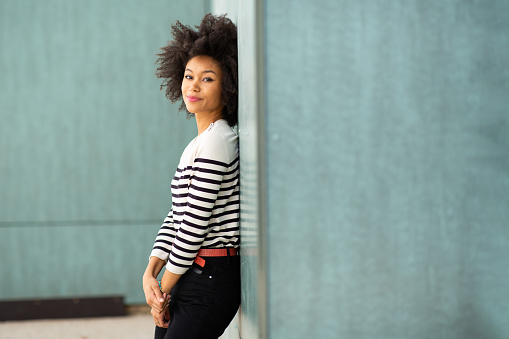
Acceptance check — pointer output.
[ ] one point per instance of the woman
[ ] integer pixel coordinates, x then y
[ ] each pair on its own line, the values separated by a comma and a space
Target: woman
199, 239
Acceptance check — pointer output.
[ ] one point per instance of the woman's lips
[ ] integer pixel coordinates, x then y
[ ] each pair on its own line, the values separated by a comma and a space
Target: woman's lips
192, 98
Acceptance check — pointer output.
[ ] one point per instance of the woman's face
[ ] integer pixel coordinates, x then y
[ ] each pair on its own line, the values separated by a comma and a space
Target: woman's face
201, 86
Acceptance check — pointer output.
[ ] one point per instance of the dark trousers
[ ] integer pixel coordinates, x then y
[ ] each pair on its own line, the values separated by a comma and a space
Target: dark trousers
204, 300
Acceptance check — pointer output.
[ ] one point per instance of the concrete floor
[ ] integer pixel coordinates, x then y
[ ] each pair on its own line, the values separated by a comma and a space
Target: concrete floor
137, 324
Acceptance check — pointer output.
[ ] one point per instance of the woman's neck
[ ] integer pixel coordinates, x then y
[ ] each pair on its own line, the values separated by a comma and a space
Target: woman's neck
203, 121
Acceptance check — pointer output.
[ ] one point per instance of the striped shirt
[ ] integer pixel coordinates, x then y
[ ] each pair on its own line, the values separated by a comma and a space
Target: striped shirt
205, 199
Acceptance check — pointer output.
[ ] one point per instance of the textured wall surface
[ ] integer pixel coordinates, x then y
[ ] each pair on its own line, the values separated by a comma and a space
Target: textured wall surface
230, 8
388, 169
252, 162
88, 143
249, 128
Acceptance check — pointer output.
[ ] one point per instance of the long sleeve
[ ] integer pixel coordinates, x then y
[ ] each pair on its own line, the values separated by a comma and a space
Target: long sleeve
205, 200
204, 185
164, 239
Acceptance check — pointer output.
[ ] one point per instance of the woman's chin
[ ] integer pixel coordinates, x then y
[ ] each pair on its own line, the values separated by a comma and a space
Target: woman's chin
192, 111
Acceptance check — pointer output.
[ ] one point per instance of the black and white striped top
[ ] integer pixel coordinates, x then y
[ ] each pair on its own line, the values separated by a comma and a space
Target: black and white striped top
205, 199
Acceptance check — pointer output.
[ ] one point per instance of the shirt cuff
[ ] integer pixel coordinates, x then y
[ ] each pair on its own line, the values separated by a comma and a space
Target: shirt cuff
176, 269
160, 254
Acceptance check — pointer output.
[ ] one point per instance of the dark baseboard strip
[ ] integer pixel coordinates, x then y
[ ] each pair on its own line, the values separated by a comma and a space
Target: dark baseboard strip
62, 308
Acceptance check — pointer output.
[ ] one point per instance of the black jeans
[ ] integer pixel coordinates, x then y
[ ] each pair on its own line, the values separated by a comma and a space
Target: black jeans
204, 300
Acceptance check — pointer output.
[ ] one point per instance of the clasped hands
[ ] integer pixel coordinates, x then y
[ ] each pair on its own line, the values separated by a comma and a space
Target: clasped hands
158, 301
158, 297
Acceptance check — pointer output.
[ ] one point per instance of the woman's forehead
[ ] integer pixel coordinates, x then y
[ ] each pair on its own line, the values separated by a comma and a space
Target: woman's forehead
203, 62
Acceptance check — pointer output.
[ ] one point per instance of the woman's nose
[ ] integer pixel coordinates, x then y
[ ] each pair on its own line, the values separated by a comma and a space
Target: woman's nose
194, 86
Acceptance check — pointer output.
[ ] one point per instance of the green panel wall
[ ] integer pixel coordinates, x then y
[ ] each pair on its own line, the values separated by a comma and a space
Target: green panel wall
88, 143
387, 169
252, 160
244, 13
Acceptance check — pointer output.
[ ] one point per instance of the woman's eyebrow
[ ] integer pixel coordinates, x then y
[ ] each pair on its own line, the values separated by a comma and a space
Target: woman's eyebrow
205, 71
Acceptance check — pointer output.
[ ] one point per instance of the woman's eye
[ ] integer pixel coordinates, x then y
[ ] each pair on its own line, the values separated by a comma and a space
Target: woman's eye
208, 79
189, 77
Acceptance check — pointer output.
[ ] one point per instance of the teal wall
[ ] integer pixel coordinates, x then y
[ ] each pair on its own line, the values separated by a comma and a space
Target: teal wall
88, 144
387, 150
375, 160
252, 164
247, 15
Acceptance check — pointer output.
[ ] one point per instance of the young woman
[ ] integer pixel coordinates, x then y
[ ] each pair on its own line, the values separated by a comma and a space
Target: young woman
198, 242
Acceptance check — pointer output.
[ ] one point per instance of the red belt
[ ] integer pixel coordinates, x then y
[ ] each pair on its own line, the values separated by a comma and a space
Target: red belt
214, 252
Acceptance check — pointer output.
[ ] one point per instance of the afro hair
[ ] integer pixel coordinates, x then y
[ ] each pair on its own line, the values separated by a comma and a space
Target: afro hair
215, 37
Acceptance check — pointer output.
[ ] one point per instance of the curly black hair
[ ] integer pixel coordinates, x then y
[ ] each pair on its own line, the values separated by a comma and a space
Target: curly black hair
215, 37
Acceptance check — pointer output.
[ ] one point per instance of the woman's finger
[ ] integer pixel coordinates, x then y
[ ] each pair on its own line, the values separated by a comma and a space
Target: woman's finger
159, 318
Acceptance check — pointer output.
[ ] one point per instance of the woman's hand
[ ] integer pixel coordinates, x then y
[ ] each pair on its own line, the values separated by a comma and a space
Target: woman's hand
162, 319
153, 295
